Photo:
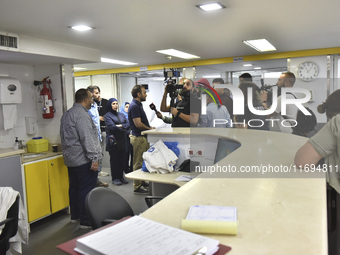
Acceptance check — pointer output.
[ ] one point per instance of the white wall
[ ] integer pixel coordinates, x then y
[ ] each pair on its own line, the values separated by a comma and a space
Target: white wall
49, 128
30, 106
126, 85
105, 82
25, 74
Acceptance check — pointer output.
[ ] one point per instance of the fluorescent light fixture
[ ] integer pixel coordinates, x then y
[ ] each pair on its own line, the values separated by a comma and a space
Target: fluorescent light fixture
260, 45
157, 78
211, 6
177, 53
212, 76
76, 68
257, 68
81, 28
118, 62
246, 65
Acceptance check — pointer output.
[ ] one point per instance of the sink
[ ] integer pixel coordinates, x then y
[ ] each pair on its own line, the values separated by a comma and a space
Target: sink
32, 155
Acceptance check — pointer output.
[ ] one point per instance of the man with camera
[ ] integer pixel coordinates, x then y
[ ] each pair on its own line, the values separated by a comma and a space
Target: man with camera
186, 111
286, 80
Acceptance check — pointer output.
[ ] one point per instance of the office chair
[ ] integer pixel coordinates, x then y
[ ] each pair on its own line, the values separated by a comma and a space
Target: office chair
11, 226
104, 206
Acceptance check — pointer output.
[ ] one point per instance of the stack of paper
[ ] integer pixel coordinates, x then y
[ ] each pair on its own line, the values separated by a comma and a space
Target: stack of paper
211, 219
138, 235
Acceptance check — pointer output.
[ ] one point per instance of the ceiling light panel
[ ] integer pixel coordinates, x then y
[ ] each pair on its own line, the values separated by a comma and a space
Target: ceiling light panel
118, 62
81, 28
211, 6
177, 53
260, 45
76, 68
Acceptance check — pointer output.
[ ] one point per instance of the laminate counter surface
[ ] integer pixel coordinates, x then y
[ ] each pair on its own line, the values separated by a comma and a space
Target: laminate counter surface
278, 213
5, 152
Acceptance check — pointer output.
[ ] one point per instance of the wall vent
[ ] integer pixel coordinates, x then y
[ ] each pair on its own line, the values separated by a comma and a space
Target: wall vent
9, 41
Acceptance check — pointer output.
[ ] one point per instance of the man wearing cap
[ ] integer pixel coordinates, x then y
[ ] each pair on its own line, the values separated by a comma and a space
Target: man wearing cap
186, 112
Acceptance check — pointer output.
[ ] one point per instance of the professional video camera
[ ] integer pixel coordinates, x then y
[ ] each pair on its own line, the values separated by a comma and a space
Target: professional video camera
171, 84
268, 89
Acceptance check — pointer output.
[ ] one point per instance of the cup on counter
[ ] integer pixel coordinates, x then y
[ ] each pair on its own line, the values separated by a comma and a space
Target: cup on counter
55, 148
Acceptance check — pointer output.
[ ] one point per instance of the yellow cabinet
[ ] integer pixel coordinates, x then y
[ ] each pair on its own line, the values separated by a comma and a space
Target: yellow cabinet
46, 187
58, 179
37, 190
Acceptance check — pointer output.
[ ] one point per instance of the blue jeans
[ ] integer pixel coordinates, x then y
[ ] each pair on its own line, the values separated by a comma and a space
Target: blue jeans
82, 181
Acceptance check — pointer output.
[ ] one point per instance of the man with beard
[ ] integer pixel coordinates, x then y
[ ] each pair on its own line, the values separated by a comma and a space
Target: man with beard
138, 122
100, 104
82, 154
185, 112
286, 80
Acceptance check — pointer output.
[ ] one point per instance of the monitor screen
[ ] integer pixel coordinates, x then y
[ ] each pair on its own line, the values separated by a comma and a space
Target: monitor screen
224, 148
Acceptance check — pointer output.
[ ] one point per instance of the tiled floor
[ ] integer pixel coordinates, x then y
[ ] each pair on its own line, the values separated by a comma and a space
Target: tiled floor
55, 229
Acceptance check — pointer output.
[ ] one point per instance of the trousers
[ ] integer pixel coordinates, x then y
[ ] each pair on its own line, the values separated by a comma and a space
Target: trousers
82, 180
140, 145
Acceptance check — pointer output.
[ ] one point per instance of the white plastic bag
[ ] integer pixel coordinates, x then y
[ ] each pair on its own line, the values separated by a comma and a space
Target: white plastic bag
159, 158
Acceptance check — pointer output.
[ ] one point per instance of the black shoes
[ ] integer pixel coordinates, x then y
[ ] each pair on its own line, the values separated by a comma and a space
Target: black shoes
141, 191
124, 181
120, 181
117, 182
85, 225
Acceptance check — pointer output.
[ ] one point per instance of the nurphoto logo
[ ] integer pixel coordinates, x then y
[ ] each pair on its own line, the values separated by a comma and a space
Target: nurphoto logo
239, 102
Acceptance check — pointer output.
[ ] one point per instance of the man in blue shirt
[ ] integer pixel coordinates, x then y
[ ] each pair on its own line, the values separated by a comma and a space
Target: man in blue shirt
93, 111
97, 112
139, 123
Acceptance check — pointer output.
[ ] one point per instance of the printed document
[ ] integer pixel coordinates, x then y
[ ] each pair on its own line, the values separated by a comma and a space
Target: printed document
138, 235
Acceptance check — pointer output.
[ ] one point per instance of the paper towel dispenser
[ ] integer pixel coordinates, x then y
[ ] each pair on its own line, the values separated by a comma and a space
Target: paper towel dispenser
10, 91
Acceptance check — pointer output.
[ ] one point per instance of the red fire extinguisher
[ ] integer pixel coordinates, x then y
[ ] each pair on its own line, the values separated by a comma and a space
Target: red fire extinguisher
47, 102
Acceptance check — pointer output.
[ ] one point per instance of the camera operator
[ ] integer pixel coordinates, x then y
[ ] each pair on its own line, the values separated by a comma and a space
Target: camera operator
287, 79
183, 114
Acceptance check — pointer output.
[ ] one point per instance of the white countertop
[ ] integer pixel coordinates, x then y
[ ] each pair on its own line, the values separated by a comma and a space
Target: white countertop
5, 152
282, 215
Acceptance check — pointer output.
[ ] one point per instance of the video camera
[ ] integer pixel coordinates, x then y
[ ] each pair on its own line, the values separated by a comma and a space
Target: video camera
171, 84
268, 89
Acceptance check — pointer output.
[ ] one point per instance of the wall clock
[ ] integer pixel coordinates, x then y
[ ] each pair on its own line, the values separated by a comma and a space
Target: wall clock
308, 71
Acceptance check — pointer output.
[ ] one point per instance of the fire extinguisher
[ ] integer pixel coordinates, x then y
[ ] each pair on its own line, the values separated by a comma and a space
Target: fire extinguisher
47, 102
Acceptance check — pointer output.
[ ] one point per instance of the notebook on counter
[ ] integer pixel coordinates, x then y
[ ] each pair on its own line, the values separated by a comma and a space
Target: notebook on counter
138, 235
210, 219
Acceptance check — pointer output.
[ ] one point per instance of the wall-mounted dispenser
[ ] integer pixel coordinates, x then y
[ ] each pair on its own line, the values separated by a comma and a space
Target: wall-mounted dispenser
10, 96
31, 125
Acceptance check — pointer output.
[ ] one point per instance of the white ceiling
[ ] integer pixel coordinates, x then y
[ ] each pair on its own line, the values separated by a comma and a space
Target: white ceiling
132, 30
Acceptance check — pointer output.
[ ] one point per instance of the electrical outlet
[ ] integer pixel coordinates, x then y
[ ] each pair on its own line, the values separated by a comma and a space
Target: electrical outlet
190, 152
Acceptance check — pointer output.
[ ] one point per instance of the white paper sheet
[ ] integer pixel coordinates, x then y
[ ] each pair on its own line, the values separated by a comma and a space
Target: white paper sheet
210, 212
147, 237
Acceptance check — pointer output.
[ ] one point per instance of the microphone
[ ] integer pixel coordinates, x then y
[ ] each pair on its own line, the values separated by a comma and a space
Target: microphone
153, 107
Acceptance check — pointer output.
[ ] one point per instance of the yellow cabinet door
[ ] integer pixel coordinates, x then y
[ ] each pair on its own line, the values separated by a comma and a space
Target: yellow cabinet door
37, 190
59, 184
